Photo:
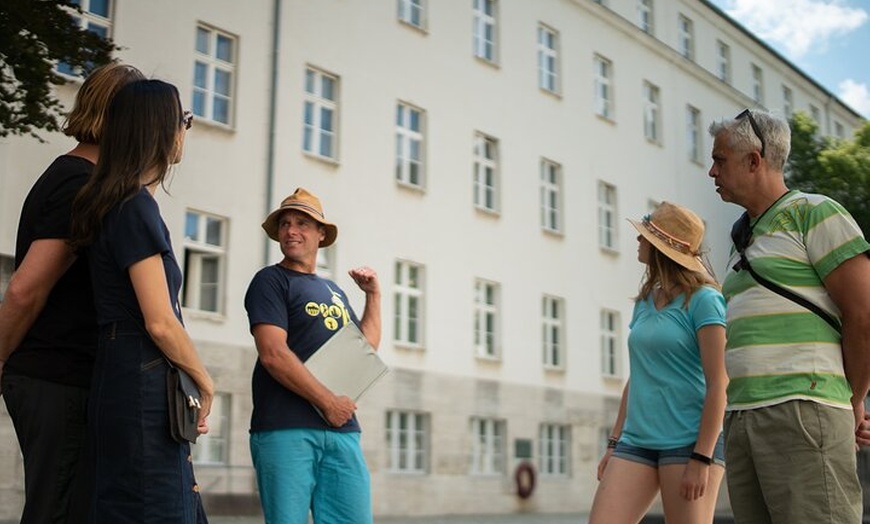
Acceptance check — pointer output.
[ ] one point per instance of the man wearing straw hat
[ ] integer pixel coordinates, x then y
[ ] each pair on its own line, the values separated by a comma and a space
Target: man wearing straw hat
798, 329
305, 460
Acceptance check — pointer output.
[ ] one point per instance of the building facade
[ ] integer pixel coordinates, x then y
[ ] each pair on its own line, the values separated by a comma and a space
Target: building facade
482, 156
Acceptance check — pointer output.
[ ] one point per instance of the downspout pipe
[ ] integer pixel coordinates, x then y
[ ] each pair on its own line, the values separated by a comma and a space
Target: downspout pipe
273, 103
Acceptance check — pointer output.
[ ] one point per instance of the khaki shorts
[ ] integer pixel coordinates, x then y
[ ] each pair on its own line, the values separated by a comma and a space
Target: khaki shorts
792, 463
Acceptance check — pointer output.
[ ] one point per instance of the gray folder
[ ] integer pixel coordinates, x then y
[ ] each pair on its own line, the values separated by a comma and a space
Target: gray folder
346, 363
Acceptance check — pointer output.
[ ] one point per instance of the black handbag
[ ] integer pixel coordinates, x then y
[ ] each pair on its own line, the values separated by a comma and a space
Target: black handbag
185, 402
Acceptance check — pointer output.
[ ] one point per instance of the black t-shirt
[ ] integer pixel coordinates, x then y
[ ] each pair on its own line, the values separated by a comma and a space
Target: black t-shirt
61, 344
132, 231
310, 309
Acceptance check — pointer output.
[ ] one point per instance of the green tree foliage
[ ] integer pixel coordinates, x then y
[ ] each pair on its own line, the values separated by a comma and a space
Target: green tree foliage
34, 36
837, 168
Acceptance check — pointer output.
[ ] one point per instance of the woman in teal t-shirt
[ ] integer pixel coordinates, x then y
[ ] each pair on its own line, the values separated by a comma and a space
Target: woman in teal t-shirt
667, 435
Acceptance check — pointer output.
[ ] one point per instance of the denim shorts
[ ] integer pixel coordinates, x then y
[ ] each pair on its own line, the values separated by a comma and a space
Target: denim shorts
663, 457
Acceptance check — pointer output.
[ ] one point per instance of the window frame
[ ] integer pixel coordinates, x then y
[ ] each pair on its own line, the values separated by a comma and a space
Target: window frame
405, 13
487, 320
553, 322
85, 19
610, 341
652, 113
608, 217
551, 199
603, 87
195, 253
313, 132
646, 16
488, 452
723, 61
406, 139
414, 457
486, 194
482, 22
548, 59
554, 450
214, 65
686, 28
757, 78
694, 134
787, 102
405, 293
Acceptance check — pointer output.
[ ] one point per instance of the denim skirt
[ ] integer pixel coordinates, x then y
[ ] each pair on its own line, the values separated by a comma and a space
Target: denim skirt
142, 474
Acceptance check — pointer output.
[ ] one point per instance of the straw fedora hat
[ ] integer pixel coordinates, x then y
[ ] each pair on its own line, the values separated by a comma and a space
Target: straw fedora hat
676, 232
305, 202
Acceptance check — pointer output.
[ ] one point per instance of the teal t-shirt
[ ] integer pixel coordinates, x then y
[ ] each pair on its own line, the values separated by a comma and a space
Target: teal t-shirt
667, 389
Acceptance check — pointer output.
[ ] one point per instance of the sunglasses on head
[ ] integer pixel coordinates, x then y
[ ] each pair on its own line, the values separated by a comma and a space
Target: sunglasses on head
746, 113
187, 119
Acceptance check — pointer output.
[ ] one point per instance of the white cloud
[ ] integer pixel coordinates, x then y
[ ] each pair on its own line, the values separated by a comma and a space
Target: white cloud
856, 95
797, 25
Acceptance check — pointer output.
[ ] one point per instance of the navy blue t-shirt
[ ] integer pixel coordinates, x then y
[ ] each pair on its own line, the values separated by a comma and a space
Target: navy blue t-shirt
60, 345
132, 231
311, 309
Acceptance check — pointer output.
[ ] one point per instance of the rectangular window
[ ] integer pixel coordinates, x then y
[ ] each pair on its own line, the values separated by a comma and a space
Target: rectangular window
548, 59
757, 85
96, 17
7, 265
487, 446
409, 145
486, 319
407, 441
687, 37
607, 226
205, 251
839, 131
551, 196
814, 112
694, 134
603, 87
320, 112
408, 303
413, 12
787, 102
214, 446
485, 30
646, 18
651, 113
723, 61
553, 328
486, 173
555, 444
610, 343
214, 72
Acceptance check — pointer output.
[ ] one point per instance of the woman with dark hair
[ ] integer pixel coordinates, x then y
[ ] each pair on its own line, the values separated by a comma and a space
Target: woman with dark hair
48, 327
142, 474
667, 435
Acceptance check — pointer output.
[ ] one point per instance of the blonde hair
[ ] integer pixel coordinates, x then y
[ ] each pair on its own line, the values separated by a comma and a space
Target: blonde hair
85, 121
671, 278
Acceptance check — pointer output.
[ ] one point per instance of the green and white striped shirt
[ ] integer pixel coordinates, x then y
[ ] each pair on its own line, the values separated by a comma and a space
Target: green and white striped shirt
777, 350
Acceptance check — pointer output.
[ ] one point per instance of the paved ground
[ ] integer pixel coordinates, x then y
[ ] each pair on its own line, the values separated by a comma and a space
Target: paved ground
527, 518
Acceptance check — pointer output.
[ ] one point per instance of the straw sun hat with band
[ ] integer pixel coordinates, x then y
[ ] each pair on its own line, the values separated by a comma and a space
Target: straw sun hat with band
677, 233
305, 202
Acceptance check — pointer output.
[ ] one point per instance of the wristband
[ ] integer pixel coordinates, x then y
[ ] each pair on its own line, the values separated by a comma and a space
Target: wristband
704, 459
611, 442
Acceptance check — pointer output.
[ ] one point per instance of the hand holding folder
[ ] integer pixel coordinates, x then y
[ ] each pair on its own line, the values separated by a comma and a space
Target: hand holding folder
346, 363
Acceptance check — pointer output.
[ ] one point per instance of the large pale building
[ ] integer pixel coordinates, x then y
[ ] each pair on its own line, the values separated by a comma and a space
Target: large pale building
482, 156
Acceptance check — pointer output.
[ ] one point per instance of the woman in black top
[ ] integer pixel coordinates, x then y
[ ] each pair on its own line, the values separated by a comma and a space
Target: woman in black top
142, 474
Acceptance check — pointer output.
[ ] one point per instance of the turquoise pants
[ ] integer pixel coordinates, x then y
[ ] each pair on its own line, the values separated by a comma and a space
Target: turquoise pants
310, 469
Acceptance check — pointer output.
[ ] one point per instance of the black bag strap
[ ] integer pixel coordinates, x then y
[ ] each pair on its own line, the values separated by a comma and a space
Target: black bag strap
794, 297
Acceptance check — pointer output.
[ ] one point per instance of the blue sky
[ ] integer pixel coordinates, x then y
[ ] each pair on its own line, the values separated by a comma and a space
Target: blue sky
827, 39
